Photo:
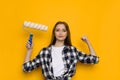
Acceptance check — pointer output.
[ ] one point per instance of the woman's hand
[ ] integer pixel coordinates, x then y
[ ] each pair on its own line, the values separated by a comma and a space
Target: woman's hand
28, 46
29, 51
84, 38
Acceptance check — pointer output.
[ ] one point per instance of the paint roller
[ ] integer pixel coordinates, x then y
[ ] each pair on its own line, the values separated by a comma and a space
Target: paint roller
28, 24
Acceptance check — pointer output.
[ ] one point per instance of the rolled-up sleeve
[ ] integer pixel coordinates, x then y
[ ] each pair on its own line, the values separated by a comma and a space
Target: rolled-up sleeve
85, 58
32, 64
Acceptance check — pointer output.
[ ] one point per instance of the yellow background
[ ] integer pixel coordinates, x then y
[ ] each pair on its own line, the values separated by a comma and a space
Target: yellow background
98, 19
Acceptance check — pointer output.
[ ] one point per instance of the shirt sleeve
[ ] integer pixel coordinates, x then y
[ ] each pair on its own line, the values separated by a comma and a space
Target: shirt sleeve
32, 64
85, 58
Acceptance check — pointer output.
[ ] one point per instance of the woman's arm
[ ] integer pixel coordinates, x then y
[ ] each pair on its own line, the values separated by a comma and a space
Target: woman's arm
29, 51
29, 65
85, 58
85, 39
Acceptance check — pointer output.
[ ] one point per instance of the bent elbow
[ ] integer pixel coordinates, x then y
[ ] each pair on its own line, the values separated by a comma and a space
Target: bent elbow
97, 60
26, 67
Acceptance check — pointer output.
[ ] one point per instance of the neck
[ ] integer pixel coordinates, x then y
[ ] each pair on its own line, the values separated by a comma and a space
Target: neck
59, 43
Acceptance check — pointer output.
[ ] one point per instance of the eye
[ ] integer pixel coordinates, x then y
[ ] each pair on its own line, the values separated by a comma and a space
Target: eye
64, 30
57, 30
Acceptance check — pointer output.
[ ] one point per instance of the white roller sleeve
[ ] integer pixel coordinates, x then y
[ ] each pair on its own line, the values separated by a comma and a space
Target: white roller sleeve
35, 25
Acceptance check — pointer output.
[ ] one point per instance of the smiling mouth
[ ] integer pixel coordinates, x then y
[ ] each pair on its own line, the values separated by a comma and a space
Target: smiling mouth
60, 36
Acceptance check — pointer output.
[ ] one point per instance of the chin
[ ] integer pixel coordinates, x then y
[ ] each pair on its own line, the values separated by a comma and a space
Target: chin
61, 39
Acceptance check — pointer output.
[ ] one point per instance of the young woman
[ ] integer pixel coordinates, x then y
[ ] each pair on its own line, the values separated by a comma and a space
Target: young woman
58, 60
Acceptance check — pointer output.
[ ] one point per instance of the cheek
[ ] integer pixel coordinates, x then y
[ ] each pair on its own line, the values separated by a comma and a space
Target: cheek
65, 34
56, 33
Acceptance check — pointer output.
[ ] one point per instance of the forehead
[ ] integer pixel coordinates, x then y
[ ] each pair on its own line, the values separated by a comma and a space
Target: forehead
61, 26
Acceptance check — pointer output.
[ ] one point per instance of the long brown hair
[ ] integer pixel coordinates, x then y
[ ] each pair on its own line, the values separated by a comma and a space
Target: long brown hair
68, 38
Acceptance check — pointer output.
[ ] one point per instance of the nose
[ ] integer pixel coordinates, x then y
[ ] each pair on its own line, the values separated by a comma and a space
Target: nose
60, 32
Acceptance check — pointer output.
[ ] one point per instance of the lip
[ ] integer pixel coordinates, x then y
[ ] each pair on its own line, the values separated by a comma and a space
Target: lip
60, 36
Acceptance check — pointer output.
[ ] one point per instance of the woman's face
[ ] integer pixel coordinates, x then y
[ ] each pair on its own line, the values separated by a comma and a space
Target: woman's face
60, 32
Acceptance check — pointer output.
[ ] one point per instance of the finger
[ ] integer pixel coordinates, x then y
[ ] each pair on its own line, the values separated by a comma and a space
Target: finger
28, 42
82, 38
27, 45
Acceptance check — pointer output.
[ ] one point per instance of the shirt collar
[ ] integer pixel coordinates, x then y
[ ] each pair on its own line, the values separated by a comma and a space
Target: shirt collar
65, 47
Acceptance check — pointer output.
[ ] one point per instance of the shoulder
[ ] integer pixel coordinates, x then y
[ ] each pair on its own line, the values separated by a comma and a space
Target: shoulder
73, 47
44, 50
70, 48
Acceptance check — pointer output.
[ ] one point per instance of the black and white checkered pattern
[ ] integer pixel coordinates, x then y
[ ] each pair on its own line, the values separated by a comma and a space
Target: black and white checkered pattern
70, 57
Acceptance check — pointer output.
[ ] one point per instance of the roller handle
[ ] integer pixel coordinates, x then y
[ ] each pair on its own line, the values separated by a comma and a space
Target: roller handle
30, 39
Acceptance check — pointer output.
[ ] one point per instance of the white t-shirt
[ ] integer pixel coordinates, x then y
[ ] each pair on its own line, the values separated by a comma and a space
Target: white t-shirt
57, 61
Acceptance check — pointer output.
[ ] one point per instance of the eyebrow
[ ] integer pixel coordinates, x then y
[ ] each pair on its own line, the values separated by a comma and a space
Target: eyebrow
59, 28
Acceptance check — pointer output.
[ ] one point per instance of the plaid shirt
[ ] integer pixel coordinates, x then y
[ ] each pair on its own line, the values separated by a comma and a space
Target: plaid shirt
70, 57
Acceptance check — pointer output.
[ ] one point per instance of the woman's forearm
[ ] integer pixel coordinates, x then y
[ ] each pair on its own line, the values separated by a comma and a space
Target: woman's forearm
85, 39
28, 55
90, 47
